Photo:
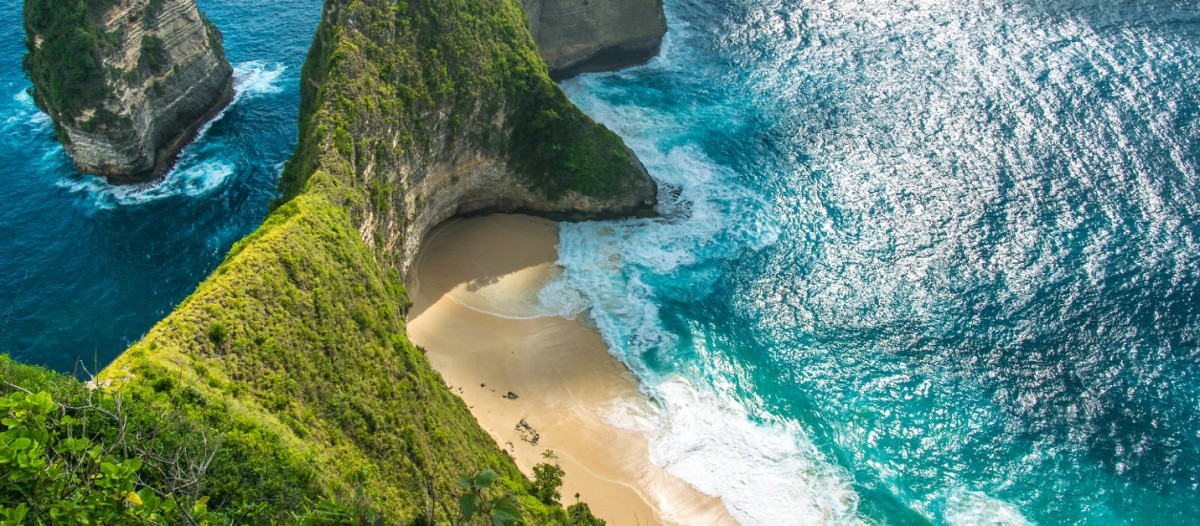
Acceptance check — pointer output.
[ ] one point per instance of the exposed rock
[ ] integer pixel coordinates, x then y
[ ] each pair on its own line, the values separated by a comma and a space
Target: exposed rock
411, 112
129, 96
528, 433
577, 36
406, 141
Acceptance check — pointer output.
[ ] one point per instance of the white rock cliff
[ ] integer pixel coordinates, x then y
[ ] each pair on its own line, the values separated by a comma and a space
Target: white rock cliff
163, 73
577, 36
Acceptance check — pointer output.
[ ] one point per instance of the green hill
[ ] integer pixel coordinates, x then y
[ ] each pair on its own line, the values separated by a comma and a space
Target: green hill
292, 355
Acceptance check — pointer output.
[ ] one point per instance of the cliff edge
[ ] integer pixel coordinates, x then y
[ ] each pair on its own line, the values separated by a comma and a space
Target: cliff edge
127, 82
579, 36
419, 112
411, 113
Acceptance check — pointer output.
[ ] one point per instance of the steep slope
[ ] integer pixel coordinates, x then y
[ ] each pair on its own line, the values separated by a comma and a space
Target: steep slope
422, 111
577, 36
127, 82
411, 113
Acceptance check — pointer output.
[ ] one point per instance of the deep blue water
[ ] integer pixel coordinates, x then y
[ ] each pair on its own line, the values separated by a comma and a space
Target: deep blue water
919, 261
88, 268
930, 261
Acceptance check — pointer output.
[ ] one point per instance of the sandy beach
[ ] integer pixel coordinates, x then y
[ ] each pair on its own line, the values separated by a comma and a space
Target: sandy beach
475, 292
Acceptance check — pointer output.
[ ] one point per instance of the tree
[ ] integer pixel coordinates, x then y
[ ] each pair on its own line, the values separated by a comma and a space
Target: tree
547, 479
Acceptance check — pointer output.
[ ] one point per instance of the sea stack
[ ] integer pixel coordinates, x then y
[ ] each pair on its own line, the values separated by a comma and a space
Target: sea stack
127, 82
578, 36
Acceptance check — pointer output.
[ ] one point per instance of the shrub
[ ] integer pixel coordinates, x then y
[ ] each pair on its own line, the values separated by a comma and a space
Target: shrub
54, 470
154, 55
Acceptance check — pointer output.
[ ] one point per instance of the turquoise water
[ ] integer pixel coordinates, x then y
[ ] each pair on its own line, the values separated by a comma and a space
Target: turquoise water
89, 268
919, 262
930, 261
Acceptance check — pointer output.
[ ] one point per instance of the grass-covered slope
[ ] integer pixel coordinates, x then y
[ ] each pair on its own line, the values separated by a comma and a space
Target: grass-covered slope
293, 354
301, 333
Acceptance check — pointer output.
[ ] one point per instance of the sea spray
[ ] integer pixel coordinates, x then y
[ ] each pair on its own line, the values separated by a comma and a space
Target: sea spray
765, 472
951, 246
200, 169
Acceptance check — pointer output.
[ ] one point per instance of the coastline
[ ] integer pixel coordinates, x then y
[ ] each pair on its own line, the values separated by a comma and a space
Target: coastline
474, 287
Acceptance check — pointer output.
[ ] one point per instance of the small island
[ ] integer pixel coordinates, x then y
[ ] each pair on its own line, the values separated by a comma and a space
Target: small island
127, 82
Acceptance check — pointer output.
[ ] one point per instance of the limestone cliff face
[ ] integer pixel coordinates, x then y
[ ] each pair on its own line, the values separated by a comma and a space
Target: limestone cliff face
424, 111
127, 82
577, 36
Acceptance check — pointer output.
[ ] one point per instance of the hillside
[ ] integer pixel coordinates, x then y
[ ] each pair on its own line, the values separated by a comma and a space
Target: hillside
293, 354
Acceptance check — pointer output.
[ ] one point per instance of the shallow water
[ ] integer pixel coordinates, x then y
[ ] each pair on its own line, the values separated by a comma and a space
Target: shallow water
928, 262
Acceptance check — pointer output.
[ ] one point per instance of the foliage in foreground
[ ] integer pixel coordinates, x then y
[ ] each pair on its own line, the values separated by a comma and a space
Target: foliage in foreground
88, 454
82, 454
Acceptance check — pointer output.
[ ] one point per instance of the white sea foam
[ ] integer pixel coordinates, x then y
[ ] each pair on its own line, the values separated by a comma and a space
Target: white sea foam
250, 80
256, 78
765, 469
26, 113
766, 473
191, 177
195, 180
972, 508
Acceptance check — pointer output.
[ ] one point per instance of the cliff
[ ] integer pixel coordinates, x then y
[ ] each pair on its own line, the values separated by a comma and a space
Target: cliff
423, 111
127, 82
294, 350
577, 36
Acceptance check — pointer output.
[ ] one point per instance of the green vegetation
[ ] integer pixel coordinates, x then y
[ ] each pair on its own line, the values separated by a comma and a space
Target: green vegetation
394, 87
547, 478
153, 9
157, 453
63, 58
500, 510
290, 365
153, 55
162, 452
54, 476
301, 332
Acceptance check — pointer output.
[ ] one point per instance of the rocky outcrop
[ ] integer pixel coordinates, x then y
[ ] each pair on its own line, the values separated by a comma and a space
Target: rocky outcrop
577, 36
411, 112
421, 113
127, 82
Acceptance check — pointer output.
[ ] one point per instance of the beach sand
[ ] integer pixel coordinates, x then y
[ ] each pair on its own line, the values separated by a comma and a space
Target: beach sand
474, 290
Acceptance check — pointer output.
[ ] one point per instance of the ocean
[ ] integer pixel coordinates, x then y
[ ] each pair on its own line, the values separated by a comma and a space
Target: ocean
918, 262
88, 268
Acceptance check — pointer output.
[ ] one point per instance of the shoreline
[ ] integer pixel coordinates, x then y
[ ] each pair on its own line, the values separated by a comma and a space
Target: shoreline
540, 383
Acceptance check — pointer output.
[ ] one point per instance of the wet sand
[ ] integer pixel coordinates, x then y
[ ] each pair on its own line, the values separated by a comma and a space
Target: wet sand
475, 290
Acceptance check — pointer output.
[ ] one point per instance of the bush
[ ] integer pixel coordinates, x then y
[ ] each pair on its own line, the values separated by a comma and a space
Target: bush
154, 55
547, 479
65, 68
53, 469
218, 333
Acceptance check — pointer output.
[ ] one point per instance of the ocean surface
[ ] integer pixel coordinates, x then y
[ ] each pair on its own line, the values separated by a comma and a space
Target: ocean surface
920, 262
87, 268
